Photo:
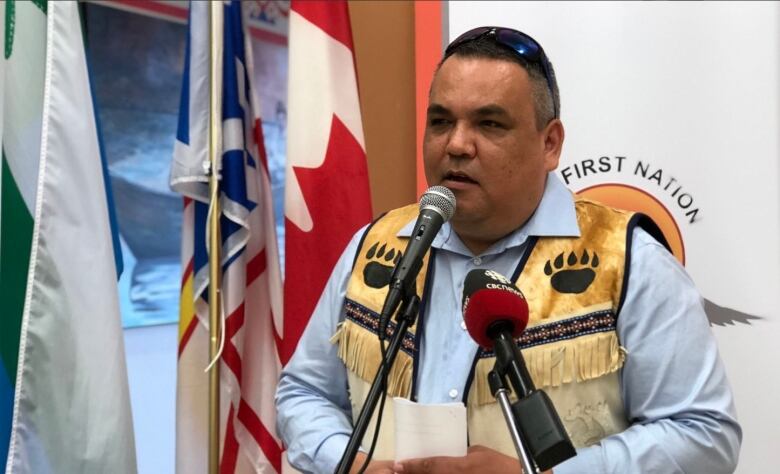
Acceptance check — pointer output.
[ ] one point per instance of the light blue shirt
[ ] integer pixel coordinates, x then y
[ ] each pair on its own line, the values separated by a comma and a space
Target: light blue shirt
673, 383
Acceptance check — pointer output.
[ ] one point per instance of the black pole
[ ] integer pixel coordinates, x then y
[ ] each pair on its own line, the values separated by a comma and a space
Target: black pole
405, 320
509, 362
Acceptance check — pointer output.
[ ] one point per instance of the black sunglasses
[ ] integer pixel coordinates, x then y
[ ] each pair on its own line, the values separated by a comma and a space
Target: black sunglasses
522, 44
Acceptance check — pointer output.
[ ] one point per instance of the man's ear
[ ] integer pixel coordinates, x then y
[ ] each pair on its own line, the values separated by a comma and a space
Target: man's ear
553, 143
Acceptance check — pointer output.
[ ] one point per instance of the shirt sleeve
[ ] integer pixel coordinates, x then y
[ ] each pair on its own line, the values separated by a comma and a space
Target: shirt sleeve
313, 408
674, 387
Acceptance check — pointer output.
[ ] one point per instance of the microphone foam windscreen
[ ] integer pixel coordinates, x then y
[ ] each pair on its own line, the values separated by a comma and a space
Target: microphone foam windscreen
490, 298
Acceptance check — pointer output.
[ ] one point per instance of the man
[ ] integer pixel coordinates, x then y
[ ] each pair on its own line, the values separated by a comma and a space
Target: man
617, 336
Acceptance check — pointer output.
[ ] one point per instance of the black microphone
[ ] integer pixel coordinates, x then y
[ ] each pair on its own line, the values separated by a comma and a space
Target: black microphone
496, 312
437, 206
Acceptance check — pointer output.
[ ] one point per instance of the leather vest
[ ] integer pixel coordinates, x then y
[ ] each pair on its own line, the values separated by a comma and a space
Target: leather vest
574, 287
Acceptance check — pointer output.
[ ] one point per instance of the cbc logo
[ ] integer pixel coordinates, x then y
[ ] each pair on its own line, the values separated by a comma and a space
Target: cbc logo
497, 276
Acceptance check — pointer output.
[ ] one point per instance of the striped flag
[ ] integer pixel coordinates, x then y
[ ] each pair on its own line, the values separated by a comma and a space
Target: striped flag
63, 380
327, 196
251, 283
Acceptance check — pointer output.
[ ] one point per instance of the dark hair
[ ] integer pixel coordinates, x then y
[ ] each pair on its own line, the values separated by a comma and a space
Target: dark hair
486, 47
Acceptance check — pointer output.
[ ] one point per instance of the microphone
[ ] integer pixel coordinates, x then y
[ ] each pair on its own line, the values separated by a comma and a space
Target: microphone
491, 303
496, 313
437, 206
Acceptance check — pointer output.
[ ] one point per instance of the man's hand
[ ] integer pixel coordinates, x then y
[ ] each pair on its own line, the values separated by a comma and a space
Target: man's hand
374, 467
479, 459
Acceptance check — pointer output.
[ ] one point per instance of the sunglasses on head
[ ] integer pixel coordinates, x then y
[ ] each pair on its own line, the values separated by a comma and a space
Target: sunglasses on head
522, 44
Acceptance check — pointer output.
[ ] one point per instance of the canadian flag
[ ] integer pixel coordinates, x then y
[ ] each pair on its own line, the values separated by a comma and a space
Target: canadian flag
327, 196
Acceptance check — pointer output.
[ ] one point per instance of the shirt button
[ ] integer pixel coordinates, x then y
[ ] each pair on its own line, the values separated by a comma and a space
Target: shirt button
477, 261
463, 325
453, 393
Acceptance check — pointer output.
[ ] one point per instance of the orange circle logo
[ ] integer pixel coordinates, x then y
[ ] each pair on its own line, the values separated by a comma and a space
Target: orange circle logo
634, 199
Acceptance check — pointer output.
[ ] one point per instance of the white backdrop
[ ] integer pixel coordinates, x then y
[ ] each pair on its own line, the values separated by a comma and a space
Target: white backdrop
690, 91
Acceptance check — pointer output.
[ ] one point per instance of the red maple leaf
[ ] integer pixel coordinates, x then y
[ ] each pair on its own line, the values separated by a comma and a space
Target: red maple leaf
339, 201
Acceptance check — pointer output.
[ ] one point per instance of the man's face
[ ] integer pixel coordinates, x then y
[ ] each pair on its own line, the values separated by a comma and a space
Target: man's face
481, 142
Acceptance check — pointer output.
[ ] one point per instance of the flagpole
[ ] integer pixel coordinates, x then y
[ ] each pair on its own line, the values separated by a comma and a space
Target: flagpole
215, 240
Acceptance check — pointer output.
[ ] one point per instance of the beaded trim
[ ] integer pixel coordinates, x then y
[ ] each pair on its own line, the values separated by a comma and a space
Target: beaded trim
600, 321
369, 320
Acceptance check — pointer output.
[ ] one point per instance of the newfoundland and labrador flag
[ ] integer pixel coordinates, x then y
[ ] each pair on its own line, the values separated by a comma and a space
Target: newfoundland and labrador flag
64, 400
251, 283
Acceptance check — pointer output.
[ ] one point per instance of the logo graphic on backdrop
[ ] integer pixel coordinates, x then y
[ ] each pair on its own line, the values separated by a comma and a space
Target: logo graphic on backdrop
656, 186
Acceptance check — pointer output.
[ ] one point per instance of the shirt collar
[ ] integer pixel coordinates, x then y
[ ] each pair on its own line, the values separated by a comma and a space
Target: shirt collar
554, 217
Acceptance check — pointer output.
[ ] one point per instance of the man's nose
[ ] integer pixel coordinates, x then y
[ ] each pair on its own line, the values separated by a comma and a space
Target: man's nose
460, 143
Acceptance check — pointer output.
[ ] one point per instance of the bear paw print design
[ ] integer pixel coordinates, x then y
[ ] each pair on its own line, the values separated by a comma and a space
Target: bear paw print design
575, 274
378, 271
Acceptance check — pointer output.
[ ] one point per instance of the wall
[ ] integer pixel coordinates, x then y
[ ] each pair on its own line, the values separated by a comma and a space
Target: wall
383, 34
151, 370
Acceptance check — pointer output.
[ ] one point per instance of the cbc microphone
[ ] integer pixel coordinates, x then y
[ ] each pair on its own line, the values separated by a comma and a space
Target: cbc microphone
490, 303
437, 206
496, 313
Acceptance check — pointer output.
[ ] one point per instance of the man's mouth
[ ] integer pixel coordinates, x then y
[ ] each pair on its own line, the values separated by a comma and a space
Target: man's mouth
459, 177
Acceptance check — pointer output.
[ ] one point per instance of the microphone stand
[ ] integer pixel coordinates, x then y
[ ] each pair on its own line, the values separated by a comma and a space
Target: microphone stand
405, 318
501, 394
535, 416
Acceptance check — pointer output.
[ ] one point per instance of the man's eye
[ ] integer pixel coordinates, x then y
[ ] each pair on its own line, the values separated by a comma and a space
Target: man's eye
491, 124
437, 121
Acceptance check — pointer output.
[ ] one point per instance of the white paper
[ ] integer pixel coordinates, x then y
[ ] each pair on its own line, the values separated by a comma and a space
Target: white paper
423, 430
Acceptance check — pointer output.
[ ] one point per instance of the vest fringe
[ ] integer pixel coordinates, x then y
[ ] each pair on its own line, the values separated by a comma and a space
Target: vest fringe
357, 348
551, 365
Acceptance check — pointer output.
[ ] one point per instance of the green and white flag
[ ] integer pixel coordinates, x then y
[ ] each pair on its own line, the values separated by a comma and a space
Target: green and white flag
64, 399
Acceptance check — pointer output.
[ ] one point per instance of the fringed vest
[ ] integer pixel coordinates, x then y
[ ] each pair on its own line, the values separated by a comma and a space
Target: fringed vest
574, 288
